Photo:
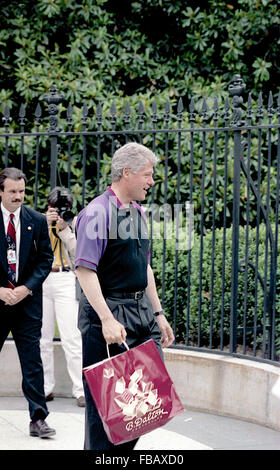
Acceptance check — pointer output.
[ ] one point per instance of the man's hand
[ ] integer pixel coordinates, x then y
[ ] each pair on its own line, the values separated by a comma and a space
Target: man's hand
113, 331
61, 223
167, 337
13, 296
20, 293
7, 295
52, 216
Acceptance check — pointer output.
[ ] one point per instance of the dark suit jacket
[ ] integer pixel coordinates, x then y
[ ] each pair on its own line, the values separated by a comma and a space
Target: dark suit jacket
35, 256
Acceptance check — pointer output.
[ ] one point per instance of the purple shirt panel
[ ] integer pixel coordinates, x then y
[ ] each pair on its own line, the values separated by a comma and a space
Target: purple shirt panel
119, 204
135, 205
92, 227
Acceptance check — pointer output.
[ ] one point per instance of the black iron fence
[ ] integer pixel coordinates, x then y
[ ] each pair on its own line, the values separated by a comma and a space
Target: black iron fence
213, 211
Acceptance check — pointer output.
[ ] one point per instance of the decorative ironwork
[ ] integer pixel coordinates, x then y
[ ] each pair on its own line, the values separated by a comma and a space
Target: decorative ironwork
237, 189
53, 99
236, 90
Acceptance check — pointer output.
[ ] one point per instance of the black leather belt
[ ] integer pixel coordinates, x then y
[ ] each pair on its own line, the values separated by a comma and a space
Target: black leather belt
125, 295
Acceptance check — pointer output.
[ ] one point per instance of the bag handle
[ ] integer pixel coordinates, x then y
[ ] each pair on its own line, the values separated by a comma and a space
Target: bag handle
107, 346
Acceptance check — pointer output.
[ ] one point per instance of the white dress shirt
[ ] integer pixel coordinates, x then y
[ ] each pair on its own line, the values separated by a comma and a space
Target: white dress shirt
6, 218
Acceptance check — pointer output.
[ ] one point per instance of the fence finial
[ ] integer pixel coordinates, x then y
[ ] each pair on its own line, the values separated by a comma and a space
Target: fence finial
53, 99
236, 89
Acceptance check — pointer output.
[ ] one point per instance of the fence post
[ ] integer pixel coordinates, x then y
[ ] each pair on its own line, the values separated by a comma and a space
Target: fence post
53, 99
236, 89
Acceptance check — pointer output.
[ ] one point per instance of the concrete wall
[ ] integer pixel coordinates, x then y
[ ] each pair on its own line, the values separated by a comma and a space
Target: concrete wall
226, 385
209, 382
10, 373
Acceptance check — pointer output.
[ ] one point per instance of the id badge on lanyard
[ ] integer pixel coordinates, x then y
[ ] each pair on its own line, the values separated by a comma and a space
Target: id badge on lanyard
11, 256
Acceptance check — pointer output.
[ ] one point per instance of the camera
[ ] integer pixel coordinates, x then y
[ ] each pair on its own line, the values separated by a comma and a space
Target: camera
63, 206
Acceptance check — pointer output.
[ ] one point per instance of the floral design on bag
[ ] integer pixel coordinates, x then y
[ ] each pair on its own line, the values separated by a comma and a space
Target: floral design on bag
138, 400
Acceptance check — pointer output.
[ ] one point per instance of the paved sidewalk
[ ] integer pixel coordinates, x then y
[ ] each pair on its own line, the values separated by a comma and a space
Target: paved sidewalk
191, 430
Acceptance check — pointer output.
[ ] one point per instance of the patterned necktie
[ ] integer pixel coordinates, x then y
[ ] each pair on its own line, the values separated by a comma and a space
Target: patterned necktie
11, 239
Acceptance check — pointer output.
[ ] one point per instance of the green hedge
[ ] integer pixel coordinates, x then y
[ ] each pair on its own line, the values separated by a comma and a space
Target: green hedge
201, 299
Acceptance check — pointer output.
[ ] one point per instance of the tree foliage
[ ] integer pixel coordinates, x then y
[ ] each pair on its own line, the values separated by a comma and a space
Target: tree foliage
108, 51
103, 51
100, 49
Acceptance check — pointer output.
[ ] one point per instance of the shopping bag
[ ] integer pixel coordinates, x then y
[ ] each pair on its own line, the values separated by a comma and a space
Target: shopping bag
133, 392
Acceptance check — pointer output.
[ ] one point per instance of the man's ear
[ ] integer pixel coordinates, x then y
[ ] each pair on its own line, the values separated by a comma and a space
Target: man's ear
126, 172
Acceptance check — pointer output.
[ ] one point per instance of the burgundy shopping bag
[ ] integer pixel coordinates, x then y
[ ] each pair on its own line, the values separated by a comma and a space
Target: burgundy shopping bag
133, 392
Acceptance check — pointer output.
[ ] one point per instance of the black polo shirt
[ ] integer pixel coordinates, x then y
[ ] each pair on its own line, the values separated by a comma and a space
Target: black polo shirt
113, 241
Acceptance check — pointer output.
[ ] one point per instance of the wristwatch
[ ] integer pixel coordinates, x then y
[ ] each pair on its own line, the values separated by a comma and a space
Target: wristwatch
161, 312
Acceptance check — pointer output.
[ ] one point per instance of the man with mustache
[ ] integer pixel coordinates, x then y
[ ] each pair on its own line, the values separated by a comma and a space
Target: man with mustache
119, 301
25, 261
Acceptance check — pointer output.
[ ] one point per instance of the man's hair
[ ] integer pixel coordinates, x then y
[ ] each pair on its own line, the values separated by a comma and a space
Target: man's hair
52, 197
12, 173
133, 156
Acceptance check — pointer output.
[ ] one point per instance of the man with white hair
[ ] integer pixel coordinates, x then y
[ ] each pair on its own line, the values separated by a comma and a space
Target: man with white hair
119, 301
